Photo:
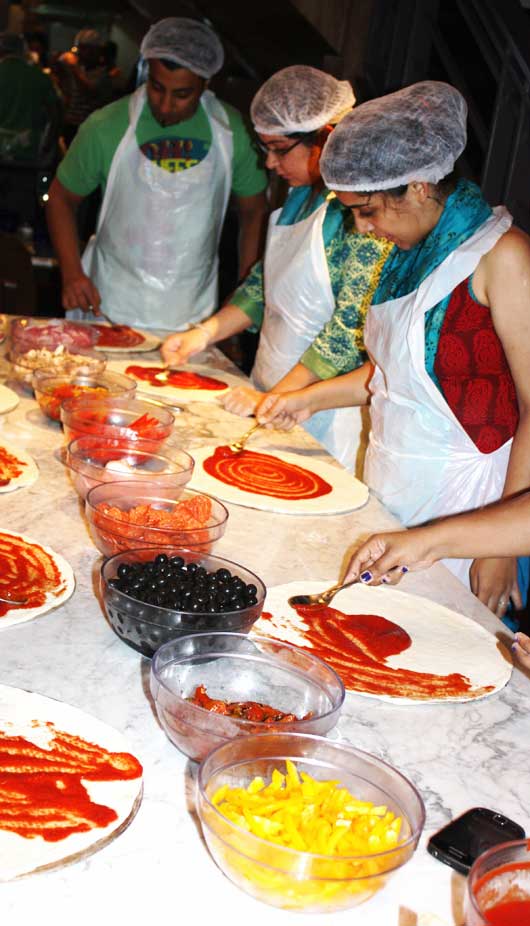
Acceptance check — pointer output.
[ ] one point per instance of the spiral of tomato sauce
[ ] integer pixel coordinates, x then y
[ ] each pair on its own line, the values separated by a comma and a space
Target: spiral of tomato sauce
357, 647
118, 336
42, 791
27, 571
10, 467
181, 379
265, 474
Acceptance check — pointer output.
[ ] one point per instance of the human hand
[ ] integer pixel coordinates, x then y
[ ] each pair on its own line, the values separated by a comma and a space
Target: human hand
242, 400
494, 582
283, 410
384, 558
521, 649
177, 348
79, 292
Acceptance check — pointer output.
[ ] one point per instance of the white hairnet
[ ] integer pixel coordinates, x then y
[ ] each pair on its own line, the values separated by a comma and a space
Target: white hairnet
187, 42
300, 99
414, 134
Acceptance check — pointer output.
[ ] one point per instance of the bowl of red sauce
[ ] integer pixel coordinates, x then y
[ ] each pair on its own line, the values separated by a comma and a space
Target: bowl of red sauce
126, 515
498, 886
212, 687
93, 460
153, 597
117, 419
52, 389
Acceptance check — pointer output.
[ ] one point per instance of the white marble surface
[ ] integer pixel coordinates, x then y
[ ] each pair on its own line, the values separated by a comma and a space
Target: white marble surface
458, 755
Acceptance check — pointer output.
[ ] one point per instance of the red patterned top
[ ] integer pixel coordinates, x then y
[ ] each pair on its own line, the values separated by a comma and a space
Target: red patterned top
473, 372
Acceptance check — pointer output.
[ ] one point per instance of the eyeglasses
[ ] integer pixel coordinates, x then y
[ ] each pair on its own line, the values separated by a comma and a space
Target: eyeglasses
278, 152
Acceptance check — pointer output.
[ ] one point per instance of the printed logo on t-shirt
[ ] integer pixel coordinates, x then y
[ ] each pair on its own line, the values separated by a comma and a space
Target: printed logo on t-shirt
175, 154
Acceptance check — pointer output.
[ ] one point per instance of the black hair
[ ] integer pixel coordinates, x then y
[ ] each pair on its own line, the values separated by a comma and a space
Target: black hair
442, 189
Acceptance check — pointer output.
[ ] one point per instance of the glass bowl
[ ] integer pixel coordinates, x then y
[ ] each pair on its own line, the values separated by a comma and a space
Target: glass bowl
52, 389
290, 878
145, 627
232, 667
205, 520
92, 461
60, 360
28, 333
117, 419
498, 886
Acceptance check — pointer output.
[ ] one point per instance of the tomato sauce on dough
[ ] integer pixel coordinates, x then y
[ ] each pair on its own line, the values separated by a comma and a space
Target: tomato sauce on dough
181, 379
265, 474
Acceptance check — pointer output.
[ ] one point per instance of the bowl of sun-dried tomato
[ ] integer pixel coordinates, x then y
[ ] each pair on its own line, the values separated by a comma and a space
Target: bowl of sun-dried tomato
126, 515
213, 687
118, 419
52, 389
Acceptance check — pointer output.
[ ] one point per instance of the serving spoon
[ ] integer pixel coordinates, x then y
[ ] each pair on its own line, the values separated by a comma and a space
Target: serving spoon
321, 597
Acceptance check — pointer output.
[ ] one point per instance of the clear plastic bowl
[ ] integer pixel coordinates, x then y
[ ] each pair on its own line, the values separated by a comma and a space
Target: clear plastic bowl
291, 879
501, 875
61, 360
117, 419
52, 389
146, 627
92, 461
233, 667
114, 535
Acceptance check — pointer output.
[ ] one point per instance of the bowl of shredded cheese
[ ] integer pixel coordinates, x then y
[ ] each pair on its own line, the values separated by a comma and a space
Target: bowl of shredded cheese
304, 823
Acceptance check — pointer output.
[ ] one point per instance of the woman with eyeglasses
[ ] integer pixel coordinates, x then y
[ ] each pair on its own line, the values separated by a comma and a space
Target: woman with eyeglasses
448, 332
310, 294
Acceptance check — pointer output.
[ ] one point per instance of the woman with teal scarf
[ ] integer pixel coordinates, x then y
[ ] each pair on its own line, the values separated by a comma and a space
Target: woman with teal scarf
448, 329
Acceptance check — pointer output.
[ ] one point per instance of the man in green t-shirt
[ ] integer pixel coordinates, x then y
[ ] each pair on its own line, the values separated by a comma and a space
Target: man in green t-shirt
29, 106
167, 158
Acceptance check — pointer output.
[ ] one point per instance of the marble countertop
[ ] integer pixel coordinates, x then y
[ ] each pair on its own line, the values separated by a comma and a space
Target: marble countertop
457, 755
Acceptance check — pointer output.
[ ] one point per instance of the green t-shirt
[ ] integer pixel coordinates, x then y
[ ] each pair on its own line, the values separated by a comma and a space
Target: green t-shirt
177, 147
28, 102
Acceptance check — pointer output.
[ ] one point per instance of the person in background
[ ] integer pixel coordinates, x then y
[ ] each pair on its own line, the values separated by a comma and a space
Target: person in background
30, 110
83, 79
448, 332
115, 74
167, 157
501, 529
309, 294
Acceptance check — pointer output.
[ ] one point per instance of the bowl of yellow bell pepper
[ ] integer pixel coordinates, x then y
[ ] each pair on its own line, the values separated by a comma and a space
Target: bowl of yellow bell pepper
304, 823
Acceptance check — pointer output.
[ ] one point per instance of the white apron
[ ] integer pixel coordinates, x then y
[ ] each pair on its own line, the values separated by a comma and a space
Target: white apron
154, 256
298, 302
420, 462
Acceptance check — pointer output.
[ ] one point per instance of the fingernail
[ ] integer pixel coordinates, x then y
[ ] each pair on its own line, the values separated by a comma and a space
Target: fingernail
366, 576
514, 644
385, 580
404, 569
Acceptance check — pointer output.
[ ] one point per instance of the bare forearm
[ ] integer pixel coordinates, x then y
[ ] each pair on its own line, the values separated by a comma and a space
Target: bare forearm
502, 529
228, 321
518, 473
297, 378
341, 391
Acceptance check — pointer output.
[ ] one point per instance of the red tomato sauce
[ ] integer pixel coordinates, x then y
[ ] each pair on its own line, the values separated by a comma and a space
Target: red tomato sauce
181, 379
26, 571
264, 474
10, 467
42, 791
357, 647
512, 913
118, 336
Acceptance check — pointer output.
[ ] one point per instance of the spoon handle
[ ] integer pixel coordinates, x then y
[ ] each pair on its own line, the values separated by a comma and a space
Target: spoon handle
335, 589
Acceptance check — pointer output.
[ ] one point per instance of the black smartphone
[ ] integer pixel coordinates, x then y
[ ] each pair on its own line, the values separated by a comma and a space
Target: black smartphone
460, 842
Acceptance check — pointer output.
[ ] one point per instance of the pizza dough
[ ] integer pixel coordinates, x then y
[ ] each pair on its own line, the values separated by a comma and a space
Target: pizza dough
28, 472
8, 399
443, 642
103, 803
150, 342
177, 394
347, 492
56, 595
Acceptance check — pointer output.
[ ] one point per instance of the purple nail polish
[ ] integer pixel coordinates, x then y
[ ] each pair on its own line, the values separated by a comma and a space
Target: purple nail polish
366, 576
385, 580
404, 569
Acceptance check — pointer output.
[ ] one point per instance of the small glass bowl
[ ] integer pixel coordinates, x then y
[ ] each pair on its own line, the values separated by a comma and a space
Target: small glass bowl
93, 460
115, 535
145, 627
500, 876
289, 878
52, 389
232, 667
118, 419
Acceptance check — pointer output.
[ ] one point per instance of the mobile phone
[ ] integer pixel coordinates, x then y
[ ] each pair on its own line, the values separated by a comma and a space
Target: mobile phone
460, 842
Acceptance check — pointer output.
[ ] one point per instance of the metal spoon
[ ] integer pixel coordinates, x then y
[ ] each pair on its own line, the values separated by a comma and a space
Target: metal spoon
13, 601
238, 445
322, 597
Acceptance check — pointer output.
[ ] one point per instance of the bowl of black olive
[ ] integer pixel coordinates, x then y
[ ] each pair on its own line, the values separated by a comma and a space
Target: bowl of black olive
152, 598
